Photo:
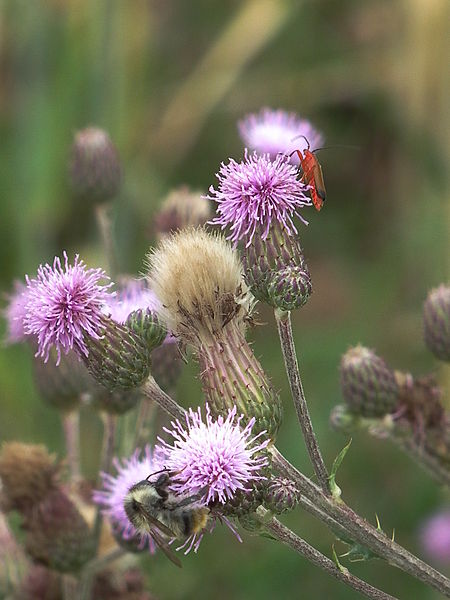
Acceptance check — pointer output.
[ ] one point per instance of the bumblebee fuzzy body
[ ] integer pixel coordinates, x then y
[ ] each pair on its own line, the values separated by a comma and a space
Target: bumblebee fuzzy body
149, 504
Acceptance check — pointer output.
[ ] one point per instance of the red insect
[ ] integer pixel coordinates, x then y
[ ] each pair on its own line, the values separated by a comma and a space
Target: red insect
312, 174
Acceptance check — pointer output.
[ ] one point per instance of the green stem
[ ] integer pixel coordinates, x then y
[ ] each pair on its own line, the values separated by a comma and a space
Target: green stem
104, 224
293, 541
109, 438
283, 320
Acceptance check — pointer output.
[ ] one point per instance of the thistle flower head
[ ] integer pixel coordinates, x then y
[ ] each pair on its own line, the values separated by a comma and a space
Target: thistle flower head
129, 471
65, 304
273, 131
214, 456
14, 314
435, 536
181, 209
257, 192
198, 278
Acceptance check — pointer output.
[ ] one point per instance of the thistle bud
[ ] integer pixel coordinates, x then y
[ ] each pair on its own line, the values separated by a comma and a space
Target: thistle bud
57, 535
368, 385
120, 359
276, 270
181, 209
28, 473
198, 278
281, 495
62, 386
94, 165
145, 323
436, 322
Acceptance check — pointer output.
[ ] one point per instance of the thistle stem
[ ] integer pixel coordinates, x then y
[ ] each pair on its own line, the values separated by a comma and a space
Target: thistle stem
337, 511
152, 391
144, 420
293, 541
283, 320
104, 224
109, 438
71, 427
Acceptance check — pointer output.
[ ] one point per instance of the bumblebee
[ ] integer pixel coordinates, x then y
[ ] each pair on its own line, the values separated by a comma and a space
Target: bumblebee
153, 509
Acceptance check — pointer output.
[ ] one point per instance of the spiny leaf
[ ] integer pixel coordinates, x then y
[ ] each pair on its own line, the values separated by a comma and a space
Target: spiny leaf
334, 488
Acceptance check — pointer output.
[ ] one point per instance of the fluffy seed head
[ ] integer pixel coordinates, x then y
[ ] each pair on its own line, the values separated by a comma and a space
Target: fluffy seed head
198, 278
181, 209
368, 385
110, 497
64, 306
256, 192
95, 170
273, 132
436, 322
216, 454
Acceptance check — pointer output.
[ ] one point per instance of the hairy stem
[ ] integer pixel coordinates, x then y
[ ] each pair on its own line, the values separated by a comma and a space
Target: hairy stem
71, 427
283, 320
421, 455
293, 541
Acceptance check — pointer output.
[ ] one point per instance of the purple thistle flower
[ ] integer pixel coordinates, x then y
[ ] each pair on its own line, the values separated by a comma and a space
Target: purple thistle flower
217, 455
256, 192
115, 487
435, 536
64, 304
273, 132
14, 314
133, 295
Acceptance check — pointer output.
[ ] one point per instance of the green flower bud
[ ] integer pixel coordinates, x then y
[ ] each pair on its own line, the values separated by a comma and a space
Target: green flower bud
276, 271
369, 387
120, 360
436, 322
146, 324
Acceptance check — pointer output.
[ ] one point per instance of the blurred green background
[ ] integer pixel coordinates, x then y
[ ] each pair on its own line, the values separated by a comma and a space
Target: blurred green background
168, 79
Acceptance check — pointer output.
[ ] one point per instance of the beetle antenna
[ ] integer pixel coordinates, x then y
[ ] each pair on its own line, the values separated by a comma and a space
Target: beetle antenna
304, 137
